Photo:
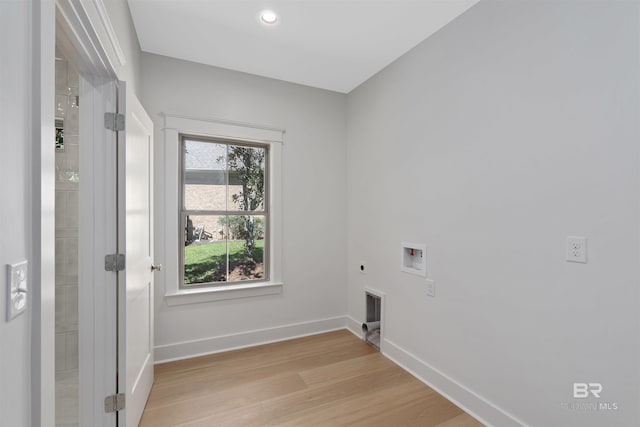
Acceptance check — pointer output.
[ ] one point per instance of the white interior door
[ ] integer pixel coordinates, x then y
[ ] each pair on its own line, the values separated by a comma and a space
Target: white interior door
136, 242
98, 237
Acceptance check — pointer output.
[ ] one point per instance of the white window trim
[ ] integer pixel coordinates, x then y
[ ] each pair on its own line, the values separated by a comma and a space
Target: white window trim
174, 125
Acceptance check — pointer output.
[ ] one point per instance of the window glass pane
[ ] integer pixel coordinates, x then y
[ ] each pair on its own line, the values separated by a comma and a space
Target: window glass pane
205, 250
246, 247
246, 178
205, 176
222, 249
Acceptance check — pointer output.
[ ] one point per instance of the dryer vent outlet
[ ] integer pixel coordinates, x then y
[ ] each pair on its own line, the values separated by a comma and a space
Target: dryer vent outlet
371, 328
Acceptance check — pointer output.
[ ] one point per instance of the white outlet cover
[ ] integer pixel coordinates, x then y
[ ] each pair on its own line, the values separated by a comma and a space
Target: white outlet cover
17, 275
431, 288
577, 249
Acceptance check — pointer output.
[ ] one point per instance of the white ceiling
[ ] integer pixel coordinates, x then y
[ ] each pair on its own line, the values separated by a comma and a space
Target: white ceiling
329, 44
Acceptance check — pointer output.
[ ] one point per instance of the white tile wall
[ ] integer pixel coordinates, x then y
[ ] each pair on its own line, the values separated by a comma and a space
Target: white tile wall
61, 360
66, 308
66, 351
72, 120
61, 105
67, 398
61, 76
71, 352
66, 260
60, 314
67, 210
67, 168
71, 303
67, 216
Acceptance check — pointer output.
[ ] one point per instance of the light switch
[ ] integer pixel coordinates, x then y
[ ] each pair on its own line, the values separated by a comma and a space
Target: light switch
431, 288
16, 289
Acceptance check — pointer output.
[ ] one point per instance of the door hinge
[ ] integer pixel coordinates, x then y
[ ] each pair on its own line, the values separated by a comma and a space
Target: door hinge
114, 262
114, 121
114, 403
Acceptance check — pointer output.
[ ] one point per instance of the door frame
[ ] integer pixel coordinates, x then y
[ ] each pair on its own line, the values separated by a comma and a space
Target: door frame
42, 251
84, 30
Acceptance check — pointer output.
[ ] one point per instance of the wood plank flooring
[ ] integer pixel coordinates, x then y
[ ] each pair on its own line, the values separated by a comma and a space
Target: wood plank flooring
332, 379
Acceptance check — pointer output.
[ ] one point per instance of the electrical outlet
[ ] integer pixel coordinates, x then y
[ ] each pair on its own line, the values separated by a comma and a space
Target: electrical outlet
431, 288
577, 249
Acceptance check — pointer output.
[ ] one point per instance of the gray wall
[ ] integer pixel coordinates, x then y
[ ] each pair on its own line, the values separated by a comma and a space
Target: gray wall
313, 194
510, 129
120, 17
15, 217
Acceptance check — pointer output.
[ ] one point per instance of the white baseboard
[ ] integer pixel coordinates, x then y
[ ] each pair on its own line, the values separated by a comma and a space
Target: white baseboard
185, 350
472, 403
354, 327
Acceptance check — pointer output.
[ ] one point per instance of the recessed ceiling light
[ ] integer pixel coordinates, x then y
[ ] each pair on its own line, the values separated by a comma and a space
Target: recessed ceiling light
268, 17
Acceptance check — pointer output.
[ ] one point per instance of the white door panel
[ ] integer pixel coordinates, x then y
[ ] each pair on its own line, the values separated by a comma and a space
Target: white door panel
136, 316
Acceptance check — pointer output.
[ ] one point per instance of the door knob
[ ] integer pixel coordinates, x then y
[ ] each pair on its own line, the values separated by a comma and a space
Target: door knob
156, 267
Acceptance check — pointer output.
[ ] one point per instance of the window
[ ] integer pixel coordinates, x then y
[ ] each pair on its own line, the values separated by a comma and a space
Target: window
171, 220
224, 215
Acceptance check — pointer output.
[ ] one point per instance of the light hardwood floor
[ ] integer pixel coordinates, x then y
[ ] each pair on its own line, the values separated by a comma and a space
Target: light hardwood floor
332, 379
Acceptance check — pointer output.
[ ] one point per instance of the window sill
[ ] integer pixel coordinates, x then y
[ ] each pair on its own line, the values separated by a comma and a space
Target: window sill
194, 296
